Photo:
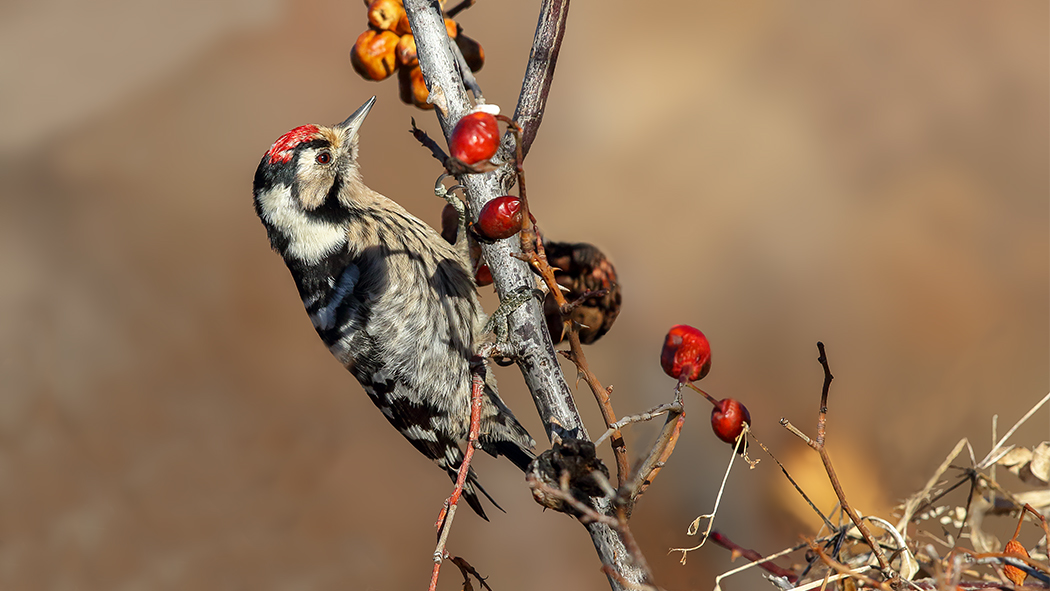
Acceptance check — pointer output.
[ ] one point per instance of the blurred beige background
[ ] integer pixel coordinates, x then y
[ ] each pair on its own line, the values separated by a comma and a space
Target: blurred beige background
873, 175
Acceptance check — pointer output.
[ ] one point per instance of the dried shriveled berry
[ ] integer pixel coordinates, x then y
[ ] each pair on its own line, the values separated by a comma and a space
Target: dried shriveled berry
500, 218
686, 353
1016, 575
412, 88
406, 52
728, 418
582, 268
373, 54
384, 14
472, 52
475, 138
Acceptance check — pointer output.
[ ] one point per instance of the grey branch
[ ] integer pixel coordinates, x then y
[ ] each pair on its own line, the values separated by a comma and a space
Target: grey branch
528, 334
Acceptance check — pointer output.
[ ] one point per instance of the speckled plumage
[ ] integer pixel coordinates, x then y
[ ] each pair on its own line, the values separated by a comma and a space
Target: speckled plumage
392, 300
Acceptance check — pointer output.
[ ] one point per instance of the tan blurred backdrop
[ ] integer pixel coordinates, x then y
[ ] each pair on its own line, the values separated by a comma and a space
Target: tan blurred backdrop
873, 175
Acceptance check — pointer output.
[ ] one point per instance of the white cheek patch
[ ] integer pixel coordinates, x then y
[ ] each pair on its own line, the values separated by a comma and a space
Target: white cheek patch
324, 319
309, 240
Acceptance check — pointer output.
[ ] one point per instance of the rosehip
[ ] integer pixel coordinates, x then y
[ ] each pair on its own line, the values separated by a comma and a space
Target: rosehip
483, 276
373, 54
475, 138
686, 353
728, 418
1016, 575
500, 218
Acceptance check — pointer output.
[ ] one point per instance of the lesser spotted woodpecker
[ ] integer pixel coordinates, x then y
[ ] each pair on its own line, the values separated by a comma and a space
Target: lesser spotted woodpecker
393, 301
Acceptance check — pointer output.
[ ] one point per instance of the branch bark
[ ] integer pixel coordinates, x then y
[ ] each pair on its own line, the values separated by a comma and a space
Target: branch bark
528, 332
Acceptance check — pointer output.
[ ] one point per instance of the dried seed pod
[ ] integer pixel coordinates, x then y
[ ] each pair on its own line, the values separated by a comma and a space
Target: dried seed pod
406, 51
472, 52
575, 461
385, 14
1016, 575
412, 88
582, 268
373, 54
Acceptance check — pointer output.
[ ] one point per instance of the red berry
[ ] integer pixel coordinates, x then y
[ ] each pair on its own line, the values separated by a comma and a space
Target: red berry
728, 418
686, 353
483, 276
500, 218
475, 138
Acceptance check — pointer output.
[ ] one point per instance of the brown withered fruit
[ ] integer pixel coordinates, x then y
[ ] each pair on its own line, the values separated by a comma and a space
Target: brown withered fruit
472, 52
406, 52
373, 54
582, 268
385, 14
1016, 575
412, 88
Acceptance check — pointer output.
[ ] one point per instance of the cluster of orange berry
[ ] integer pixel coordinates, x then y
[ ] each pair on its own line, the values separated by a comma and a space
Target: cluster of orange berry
388, 46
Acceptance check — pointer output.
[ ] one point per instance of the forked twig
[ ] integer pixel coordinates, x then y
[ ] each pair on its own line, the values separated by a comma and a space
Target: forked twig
818, 445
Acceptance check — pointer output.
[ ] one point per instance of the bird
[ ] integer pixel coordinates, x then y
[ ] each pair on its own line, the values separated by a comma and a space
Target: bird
393, 301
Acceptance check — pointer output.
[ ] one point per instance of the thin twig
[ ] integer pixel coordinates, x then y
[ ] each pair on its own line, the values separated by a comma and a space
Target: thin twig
428, 143
763, 562
639, 418
448, 512
818, 445
658, 455
465, 4
826, 521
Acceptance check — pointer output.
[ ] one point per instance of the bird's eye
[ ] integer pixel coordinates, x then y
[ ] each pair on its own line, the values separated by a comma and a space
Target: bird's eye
324, 158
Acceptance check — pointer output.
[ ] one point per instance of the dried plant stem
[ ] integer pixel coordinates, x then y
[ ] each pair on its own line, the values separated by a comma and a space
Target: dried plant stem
818, 445
989, 459
823, 518
694, 526
763, 562
847, 571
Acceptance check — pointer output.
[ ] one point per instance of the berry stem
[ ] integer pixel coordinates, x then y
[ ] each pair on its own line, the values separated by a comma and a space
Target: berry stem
709, 398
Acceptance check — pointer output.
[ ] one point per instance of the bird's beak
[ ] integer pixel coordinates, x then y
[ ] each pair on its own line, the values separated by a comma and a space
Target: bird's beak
353, 122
